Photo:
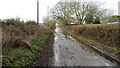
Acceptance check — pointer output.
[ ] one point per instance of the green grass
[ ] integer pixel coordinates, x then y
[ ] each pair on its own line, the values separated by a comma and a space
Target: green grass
18, 57
37, 42
116, 50
81, 39
22, 56
91, 41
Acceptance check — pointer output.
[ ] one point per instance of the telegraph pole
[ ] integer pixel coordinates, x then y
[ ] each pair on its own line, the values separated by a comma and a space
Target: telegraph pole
37, 11
47, 10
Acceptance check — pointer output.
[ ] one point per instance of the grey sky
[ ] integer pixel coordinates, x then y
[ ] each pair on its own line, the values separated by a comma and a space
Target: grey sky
26, 9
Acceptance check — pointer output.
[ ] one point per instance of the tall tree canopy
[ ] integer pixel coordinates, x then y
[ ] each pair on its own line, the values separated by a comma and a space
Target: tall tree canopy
78, 12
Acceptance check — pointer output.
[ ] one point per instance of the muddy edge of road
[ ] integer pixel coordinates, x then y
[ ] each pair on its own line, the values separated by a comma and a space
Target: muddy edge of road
45, 56
96, 51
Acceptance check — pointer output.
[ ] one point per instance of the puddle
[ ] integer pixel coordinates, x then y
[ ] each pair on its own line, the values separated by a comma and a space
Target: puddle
56, 47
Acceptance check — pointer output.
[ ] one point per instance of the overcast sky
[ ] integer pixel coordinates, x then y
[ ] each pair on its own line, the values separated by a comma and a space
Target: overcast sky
26, 9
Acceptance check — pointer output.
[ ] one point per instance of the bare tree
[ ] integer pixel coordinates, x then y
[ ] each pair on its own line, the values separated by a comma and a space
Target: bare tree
68, 12
106, 14
90, 10
63, 11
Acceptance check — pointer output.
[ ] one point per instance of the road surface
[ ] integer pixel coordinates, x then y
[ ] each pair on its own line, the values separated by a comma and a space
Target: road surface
67, 52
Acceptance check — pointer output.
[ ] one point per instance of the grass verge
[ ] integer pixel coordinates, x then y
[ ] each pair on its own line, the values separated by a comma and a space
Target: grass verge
22, 56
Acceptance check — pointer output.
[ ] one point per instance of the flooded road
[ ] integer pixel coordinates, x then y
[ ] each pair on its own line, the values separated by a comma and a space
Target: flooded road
67, 52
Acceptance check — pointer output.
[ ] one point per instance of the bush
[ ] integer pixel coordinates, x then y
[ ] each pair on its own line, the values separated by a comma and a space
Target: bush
31, 22
12, 21
49, 22
97, 21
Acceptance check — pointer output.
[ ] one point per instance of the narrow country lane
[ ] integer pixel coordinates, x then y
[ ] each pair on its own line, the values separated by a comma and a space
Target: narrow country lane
67, 52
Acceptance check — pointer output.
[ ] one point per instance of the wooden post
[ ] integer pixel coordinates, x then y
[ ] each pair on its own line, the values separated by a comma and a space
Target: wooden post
37, 11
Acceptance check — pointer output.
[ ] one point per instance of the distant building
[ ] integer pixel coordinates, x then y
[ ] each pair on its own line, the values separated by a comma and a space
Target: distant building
113, 22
